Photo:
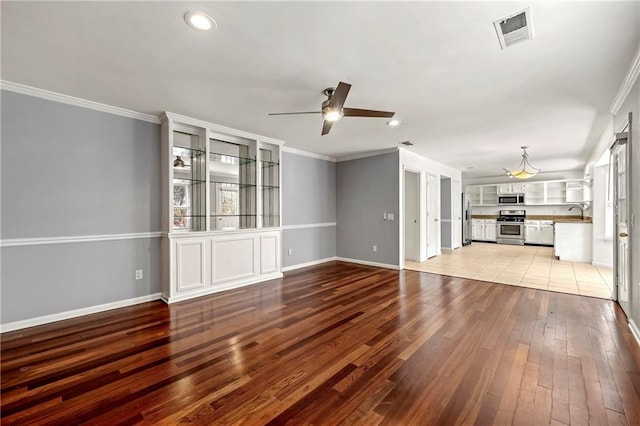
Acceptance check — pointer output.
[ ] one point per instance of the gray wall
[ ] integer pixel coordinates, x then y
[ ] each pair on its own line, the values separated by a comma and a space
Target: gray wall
70, 171
308, 197
366, 188
632, 104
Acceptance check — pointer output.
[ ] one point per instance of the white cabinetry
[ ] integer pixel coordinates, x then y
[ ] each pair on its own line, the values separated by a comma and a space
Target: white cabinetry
546, 232
576, 191
538, 232
221, 204
483, 195
511, 188
573, 241
483, 229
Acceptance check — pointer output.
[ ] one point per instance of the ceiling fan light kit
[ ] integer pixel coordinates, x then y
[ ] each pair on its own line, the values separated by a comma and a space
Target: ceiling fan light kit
524, 170
333, 108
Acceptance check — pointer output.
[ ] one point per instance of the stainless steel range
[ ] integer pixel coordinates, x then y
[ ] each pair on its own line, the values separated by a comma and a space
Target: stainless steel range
510, 227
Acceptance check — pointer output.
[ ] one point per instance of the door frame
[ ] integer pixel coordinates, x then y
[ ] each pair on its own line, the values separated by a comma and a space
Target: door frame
619, 137
436, 179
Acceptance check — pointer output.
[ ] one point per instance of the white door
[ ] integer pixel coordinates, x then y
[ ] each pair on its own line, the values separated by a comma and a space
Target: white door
411, 215
620, 155
432, 216
456, 219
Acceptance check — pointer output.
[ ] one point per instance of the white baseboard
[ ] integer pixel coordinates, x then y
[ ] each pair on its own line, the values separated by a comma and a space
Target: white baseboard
634, 330
306, 264
45, 319
222, 287
602, 265
366, 262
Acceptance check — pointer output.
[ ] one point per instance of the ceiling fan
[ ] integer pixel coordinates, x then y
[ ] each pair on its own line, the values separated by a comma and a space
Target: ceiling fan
333, 108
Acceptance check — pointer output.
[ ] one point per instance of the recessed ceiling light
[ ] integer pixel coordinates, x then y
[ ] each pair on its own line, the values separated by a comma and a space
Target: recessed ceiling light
394, 123
200, 21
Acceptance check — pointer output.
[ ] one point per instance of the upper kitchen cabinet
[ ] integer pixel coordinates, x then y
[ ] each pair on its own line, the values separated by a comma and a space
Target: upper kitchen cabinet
483, 195
577, 191
511, 188
553, 192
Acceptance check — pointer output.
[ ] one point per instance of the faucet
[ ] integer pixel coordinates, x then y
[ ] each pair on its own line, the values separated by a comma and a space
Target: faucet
581, 210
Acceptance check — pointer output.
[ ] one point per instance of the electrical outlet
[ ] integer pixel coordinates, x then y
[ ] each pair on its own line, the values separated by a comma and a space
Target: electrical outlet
390, 216
138, 274
290, 252
375, 249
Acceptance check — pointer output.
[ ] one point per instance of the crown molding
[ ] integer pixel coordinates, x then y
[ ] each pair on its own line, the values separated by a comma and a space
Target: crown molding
627, 84
307, 154
182, 119
71, 100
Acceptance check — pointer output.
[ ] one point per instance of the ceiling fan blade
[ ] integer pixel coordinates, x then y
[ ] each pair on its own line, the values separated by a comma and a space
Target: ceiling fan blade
340, 95
292, 113
326, 126
356, 112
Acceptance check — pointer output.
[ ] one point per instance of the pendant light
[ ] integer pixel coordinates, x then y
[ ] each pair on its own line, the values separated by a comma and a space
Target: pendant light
524, 170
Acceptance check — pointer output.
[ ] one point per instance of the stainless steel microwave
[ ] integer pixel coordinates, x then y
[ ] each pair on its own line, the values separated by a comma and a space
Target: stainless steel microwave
511, 200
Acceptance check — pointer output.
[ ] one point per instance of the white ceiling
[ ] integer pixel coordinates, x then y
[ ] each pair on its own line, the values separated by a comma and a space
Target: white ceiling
462, 100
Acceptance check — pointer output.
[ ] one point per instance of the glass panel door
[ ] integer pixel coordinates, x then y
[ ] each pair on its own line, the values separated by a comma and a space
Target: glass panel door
232, 178
189, 182
270, 187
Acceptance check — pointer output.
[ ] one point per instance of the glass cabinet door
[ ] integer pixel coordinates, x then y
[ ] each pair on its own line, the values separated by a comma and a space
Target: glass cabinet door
189, 182
232, 179
270, 187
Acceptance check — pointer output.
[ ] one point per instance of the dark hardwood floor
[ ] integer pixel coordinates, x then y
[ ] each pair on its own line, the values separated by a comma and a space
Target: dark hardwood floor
333, 344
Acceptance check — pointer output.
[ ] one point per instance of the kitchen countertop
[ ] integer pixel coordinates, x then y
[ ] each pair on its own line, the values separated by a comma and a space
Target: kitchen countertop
554, 218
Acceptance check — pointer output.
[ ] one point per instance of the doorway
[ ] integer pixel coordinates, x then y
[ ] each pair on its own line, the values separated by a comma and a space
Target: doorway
432, 215
620, 178
411, 216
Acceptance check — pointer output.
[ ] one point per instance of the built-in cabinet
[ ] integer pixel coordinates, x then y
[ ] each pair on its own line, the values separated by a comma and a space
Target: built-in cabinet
554, 192
538, 232
221, 208
483, 229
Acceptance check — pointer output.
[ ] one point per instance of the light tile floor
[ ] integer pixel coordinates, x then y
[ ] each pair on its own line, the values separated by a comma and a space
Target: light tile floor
524, 266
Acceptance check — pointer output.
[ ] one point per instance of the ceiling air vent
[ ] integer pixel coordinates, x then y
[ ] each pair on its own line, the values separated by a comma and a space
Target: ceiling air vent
406, 143
515, 28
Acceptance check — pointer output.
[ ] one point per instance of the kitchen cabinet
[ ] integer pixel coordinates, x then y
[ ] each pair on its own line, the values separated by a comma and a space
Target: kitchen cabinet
538, 232
573, 241
576, 191
511, 188
483, 229
546, 233
483, 195
552, 192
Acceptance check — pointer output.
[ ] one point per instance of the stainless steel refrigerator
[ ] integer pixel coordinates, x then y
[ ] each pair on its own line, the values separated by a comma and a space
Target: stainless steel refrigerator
466, 219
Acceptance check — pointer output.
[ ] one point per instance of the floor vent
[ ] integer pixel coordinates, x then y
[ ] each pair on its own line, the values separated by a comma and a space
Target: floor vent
514, 28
